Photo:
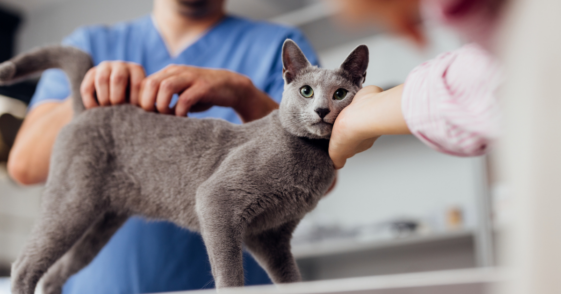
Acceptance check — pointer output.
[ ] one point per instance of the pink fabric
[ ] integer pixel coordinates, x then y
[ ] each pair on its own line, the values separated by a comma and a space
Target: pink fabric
450, 104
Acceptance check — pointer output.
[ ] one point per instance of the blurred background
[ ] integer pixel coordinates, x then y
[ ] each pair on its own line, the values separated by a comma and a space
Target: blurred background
397, 208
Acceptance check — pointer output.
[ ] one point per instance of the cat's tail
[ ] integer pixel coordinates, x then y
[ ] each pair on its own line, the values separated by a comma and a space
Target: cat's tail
74, 62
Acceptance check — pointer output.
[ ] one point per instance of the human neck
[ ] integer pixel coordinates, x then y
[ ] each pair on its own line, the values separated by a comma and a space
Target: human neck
179, 31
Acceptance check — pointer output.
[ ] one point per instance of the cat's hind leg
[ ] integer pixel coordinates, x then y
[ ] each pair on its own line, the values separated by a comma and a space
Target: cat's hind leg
83, 252
63, 220
49, 241
271, 249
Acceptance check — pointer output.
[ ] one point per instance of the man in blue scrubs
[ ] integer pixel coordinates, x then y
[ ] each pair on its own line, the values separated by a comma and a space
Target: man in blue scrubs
227, 66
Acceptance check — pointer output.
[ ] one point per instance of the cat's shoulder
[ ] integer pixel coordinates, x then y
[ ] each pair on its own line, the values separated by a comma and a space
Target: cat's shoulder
282, 146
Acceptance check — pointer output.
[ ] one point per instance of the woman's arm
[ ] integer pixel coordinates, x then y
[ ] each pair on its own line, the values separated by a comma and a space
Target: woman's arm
448, 103
29, 158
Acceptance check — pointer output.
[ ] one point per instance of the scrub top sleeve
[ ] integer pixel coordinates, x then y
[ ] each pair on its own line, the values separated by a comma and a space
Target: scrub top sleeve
53, 85
276, 85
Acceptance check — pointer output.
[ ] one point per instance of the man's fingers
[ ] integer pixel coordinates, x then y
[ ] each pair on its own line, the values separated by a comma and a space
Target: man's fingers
168, 87
200, 107
137, 74
87, 89
103, 72
148, 92
151, 85
189, 98
118, 82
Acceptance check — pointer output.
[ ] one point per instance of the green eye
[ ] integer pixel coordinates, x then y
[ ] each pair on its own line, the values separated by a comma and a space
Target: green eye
340, 94
307, 91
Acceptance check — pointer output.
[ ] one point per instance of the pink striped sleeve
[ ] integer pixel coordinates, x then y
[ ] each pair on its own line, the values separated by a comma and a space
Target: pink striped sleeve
450, 103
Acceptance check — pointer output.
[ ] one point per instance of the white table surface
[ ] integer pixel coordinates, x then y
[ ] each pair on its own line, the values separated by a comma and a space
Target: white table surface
469, 281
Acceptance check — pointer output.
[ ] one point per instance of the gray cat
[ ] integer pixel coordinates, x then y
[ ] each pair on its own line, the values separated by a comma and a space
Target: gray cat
235, 184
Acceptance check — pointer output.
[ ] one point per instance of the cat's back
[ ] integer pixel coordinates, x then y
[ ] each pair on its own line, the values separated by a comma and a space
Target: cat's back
132, 133
132, 125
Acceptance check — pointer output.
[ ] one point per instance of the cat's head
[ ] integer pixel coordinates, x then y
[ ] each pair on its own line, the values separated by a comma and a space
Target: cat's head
313, 97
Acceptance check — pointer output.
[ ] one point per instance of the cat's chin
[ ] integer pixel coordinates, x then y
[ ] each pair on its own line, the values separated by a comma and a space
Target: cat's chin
320, 130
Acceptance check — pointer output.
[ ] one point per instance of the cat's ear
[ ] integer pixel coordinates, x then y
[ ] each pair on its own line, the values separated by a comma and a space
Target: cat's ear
293, 60
356, 64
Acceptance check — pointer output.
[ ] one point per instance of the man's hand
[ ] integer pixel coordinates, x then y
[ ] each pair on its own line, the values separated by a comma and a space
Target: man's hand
201, 88
371, 114
112, 83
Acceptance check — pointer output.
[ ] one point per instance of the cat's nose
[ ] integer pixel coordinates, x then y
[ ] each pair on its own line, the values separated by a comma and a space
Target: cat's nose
322, 112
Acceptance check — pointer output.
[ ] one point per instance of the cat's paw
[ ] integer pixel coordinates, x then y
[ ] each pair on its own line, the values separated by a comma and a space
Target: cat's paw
20, 281
51, 286
7, 72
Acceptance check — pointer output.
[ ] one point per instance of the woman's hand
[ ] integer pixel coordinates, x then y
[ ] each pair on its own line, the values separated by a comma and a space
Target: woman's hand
372, 113
112, 83
201, 88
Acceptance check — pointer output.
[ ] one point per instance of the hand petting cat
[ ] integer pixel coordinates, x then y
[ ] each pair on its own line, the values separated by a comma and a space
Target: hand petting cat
198, 89
107, 84
372, 113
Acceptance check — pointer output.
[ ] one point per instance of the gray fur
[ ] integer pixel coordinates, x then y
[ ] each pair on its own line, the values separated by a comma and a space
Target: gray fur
72, 60
235, 184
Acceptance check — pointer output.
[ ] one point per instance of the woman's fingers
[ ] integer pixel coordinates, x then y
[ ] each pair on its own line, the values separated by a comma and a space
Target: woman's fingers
340, 148
367, 92
349, 135
338, 154
87, 89
339, 162
365, 145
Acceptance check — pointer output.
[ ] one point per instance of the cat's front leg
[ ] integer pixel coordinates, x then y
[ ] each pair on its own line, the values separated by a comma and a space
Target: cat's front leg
222, 234
271, 249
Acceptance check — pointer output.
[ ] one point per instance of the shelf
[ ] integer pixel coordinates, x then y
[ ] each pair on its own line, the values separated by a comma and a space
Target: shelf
336, 247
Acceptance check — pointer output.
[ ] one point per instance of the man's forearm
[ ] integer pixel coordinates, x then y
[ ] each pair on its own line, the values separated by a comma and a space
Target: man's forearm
253, 103
29, 158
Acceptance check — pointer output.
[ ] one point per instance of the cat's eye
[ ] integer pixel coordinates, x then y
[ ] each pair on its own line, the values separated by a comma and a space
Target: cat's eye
340, 94
307, 91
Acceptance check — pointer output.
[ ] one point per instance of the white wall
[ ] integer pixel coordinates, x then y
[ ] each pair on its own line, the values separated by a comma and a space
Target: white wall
18, 209
399, 176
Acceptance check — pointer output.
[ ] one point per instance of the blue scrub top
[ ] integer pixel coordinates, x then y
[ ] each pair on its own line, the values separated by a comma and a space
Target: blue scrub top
148, 256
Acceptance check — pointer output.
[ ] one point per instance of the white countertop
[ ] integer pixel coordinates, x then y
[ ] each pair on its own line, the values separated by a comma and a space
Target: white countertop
471, 281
